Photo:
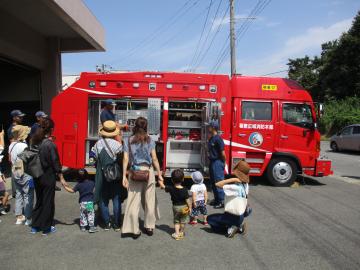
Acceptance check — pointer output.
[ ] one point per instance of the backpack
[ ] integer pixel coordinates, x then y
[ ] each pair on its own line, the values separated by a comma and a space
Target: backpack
17, 168
31, 162
112, 172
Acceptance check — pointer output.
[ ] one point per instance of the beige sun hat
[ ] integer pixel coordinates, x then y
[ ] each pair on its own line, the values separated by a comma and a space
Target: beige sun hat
109, 129
20, 132
241, 171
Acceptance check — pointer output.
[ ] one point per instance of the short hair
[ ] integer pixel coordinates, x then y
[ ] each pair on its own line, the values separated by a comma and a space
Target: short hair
177, 176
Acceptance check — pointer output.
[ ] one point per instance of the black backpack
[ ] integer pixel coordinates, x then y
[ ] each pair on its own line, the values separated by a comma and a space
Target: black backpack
31, 160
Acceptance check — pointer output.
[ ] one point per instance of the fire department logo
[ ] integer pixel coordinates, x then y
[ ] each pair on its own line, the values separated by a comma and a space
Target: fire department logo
256, 139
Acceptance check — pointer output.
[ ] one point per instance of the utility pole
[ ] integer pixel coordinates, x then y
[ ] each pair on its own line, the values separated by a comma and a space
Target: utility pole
232, 38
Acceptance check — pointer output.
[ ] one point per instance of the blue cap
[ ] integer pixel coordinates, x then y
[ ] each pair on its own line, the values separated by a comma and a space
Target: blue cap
41, 114
214, 124
16, 113
109, 102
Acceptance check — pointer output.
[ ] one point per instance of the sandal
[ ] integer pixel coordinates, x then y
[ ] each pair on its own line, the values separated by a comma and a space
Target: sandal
177, 236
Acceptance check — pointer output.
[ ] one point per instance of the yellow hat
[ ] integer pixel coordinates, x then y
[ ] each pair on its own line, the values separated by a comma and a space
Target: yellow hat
109, 129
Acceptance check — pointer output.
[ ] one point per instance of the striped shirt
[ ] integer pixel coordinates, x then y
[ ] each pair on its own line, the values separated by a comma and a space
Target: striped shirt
114, 145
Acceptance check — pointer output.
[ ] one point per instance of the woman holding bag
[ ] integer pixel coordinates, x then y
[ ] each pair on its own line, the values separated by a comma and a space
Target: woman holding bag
236, 190
140, 154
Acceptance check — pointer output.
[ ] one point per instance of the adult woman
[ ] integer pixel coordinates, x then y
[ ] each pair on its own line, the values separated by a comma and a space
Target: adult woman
230, 223
44, 211
139, 151
23, 182
107, 151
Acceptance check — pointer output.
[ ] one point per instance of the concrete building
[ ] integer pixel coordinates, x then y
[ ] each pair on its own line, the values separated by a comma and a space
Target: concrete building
33, 35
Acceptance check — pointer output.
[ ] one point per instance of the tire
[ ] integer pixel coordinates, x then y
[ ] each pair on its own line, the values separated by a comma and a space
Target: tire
334, 146
281, 172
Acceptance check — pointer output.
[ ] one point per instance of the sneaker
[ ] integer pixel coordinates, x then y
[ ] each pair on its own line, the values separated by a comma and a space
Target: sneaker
83, 228
219, 206
177, 236
28, 222
117, 228
232, 231
93, 230
205, 223
107, 227
3, 212
212, 203
57, 188
248, 211
51, 230
20, 221
34, 230
243, 229
193, 222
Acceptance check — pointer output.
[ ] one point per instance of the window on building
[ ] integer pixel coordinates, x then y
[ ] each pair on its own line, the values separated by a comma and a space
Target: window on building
252, 110
298, 115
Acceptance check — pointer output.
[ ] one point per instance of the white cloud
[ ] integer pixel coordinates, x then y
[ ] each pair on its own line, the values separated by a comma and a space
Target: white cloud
296, 46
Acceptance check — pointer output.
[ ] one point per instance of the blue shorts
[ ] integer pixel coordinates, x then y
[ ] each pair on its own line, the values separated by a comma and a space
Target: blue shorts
199, 209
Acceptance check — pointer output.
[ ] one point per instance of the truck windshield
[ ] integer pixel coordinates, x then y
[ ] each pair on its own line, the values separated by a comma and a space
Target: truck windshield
298, 114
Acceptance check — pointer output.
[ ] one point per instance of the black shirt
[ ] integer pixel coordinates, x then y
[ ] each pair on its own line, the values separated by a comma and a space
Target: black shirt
86, 191
178, 195
49, 156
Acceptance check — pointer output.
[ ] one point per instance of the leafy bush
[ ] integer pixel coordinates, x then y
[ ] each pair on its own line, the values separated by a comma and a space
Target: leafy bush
338, 114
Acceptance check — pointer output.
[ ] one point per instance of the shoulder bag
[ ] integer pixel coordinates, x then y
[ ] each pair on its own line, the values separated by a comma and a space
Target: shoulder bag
138, 175
234, 204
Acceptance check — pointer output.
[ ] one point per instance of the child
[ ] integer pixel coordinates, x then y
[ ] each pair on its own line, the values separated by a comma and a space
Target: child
85, 187
181, 203
4, 196
199, 198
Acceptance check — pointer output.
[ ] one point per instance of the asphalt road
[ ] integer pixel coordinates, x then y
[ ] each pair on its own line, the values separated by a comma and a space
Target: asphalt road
345, 164
314, 226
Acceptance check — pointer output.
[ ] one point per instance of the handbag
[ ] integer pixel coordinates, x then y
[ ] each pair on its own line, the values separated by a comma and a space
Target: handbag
234, 204
138, 175
112, 172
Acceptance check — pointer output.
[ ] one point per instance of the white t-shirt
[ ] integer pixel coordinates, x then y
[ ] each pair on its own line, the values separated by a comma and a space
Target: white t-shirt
15, 149
199, 190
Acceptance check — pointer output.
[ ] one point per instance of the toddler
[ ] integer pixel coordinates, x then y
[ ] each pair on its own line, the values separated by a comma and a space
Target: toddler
85, 187
181, 203
199, 198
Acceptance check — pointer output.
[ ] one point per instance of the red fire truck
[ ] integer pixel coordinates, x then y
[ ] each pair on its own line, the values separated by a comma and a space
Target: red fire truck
270, 122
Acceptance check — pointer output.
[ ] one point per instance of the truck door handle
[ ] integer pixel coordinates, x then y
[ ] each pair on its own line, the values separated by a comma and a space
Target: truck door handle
242, 135
284, 137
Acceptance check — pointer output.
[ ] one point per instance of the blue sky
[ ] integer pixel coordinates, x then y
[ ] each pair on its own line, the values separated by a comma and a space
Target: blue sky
163, 35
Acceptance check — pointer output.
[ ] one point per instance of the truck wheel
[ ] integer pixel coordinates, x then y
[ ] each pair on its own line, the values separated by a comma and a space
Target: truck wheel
334, 146
281, 172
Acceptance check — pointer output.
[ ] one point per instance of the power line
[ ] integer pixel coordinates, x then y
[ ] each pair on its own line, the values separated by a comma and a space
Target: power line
197, 62
276, 72
182, 11
202, 33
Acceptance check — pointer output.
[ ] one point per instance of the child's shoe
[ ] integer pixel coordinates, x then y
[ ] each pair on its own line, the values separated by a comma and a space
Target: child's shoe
193, 222
205, 223
51, 230
177, 236
93, 229
83, 228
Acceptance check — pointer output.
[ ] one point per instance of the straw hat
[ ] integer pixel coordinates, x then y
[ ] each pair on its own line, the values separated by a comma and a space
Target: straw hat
109, 129
20, 132
241, 171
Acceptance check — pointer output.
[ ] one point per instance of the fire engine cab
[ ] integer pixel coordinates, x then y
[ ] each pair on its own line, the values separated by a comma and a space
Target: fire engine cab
269, 122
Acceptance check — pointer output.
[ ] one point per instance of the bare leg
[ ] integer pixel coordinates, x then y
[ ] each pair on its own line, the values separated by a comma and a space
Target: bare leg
177, 228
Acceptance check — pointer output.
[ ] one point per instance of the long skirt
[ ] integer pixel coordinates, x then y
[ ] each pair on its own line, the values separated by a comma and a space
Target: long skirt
44, 211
